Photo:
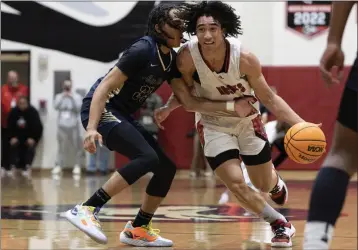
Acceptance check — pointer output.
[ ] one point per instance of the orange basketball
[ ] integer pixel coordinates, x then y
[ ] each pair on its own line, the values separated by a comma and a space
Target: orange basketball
305, 143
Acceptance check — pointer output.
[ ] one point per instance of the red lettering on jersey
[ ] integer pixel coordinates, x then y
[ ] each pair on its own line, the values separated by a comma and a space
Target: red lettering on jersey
231, 89
226, 90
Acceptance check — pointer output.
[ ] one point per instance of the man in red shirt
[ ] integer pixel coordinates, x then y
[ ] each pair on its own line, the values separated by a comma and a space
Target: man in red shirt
10, 92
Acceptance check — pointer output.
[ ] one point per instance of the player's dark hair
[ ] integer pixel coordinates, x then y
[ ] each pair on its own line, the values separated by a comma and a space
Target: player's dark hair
221, 12
160, 15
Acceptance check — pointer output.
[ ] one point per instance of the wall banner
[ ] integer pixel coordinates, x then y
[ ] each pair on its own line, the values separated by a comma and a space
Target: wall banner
308, 18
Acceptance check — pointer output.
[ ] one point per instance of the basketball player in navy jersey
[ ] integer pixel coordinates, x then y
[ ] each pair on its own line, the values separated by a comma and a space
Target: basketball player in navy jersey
106, 116
217, 68
330, 187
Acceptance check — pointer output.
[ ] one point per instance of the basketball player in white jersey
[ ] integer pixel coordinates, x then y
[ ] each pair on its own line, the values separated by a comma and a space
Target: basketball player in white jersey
218, 69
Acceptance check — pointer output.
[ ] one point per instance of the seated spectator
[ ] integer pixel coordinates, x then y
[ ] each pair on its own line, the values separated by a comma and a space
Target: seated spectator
10, 92
25, 131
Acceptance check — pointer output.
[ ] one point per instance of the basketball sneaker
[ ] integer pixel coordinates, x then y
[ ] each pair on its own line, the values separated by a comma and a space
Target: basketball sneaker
279, 194
85, 219
283, 233
224, 198
144, 236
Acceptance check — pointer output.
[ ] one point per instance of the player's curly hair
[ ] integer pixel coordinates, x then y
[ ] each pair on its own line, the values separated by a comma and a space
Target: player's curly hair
221, 12
160, 15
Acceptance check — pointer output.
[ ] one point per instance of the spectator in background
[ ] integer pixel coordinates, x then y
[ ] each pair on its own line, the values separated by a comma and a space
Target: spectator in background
25, 131
146, 114
68, 105
199, 163
10, 92
102, 156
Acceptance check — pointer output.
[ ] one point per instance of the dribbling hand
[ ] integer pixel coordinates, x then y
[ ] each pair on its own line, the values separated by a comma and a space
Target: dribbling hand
160, 115
331, 65
89, 143
244, 106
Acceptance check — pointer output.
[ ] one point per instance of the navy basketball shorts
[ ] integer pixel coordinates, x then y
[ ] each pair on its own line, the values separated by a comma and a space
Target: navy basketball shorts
348, 109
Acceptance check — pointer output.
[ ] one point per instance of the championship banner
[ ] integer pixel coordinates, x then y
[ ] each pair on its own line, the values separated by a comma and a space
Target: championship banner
309, 18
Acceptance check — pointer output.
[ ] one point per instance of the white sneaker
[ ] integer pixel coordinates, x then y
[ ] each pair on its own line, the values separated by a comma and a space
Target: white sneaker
317, 235
85, 219
144, 236
224, 198
76, 169
10, 173
193, 174
27, 173
208, 173
56, 170
283, 233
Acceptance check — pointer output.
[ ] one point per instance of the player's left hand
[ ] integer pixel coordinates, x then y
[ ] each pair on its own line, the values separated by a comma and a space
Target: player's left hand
160, 115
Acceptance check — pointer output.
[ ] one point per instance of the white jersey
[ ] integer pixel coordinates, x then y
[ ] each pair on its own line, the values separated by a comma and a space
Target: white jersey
223, 86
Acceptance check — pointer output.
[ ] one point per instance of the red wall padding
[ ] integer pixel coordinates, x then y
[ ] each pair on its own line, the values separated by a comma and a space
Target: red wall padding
301, 87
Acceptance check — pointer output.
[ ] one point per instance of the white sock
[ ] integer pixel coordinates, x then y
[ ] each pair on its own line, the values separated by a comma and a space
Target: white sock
270, 215
318, 235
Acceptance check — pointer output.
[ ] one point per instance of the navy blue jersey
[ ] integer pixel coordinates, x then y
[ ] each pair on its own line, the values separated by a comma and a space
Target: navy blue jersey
141, 64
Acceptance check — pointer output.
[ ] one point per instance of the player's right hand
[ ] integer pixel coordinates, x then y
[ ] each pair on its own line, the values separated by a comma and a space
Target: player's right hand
160, 115
331, 64
244, 106
89, 143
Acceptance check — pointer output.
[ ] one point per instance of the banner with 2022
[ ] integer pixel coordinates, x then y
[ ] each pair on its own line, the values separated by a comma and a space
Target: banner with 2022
308, 18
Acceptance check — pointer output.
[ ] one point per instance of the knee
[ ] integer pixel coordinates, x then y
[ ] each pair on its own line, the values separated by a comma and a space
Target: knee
166, 168
162, 180
150, 158
169, 168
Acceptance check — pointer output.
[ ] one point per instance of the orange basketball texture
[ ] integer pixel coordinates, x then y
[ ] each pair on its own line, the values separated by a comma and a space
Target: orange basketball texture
305, 143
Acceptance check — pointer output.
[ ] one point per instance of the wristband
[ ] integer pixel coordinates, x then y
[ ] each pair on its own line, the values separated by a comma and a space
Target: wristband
230, 106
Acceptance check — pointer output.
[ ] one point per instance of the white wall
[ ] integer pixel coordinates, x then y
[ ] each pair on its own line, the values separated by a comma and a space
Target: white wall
256, 21
265, 34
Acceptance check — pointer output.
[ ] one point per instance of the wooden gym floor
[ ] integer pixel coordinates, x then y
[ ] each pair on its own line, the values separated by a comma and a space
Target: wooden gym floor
31, 214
